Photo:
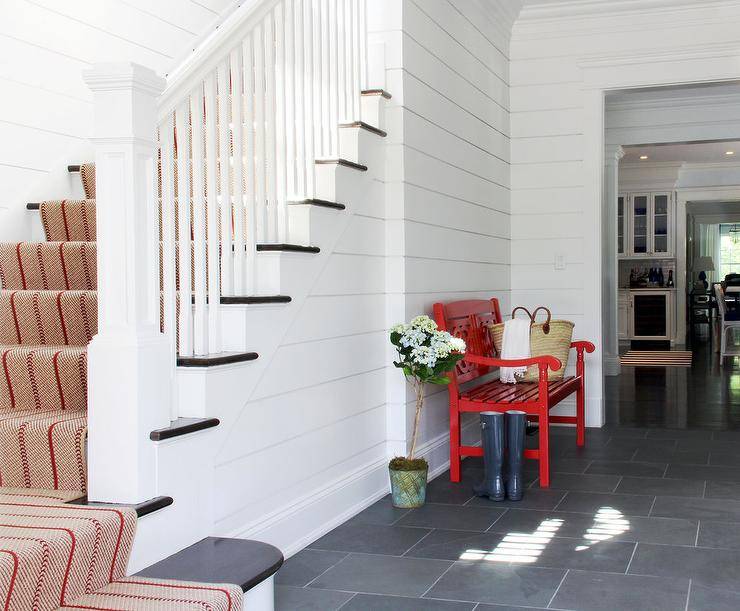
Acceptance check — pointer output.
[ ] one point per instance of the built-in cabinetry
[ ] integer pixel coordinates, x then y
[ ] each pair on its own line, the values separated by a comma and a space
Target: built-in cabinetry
646, 314
645, 224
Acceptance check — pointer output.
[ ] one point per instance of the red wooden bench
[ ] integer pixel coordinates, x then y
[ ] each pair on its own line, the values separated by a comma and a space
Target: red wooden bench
470, 321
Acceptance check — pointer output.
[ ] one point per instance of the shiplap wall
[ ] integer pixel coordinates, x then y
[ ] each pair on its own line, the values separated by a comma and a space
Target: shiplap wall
551, 207
451, 189
46, 109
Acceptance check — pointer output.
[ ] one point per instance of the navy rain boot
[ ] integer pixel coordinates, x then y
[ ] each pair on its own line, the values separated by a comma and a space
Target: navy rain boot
492, 436
516, 425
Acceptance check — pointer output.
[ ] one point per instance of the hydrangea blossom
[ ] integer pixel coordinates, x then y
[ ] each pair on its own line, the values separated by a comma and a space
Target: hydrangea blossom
424, 352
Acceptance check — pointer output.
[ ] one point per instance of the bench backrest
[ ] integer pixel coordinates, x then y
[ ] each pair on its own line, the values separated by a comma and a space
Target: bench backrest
469, 320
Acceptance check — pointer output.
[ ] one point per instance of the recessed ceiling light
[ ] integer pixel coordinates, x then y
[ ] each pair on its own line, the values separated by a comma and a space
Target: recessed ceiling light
643, 157
729, 152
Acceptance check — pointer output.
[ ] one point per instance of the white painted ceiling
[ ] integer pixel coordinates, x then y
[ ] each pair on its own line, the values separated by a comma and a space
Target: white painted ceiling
698, 152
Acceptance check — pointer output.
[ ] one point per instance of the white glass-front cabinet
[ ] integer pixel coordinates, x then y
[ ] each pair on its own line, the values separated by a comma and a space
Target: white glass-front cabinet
644, 224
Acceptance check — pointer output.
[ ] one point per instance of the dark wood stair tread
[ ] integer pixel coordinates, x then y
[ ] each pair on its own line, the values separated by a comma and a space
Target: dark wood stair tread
287, 248
345, 162
382, 92
254, 299
220, 560
73, 168
142, 509
367, 127
216, 359
183, 426
320, 202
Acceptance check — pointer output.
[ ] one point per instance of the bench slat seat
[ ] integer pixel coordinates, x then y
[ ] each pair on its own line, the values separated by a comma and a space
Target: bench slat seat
498, 392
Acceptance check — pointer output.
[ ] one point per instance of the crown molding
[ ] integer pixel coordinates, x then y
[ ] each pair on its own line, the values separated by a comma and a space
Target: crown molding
686, 102
568, 9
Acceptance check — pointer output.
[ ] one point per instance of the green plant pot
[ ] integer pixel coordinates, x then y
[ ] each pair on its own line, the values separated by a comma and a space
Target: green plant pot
408, 488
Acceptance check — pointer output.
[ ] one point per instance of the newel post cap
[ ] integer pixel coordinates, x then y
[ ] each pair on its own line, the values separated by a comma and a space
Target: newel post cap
114, 76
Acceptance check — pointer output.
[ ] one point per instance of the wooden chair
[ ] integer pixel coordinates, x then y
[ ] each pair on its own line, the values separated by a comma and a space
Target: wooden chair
470, 320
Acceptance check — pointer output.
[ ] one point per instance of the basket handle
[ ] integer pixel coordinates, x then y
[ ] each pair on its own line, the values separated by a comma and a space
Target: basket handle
546, 326
529, 314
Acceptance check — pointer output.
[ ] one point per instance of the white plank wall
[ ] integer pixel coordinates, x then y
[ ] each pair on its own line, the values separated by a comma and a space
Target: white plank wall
450, 130
46, 109
550, 207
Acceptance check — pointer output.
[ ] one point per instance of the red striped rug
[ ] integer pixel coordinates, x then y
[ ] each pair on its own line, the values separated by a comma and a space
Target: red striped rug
656, 358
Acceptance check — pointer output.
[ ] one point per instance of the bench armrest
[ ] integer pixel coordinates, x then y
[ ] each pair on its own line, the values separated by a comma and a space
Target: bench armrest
541, 361
583, 345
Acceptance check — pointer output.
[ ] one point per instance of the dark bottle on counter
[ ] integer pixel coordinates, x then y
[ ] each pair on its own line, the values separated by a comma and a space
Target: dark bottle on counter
670, 279
661, 278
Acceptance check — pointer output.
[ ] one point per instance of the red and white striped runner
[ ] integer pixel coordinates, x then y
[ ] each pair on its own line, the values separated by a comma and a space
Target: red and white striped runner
656, 358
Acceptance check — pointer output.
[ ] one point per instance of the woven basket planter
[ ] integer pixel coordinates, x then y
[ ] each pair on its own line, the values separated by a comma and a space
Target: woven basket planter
408, 488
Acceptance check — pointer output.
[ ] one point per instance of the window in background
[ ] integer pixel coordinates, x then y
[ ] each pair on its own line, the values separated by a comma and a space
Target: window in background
729, 250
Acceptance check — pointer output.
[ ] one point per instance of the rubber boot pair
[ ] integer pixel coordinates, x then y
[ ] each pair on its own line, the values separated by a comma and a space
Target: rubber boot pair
492, 436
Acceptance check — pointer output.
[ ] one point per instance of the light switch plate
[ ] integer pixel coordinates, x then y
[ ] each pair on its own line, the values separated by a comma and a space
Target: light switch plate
559, 262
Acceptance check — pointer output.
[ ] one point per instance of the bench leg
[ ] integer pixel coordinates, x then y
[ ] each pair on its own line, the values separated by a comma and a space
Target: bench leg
581, 416
454, 445
544, 449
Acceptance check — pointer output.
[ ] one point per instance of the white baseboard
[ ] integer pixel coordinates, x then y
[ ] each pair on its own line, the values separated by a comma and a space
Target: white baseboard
612, 366
306, 519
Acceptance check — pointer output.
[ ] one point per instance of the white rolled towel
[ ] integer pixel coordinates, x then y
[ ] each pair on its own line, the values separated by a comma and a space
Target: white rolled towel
515, 345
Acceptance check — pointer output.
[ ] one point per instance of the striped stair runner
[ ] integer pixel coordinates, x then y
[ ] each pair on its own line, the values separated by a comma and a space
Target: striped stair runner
656, 358
53, 554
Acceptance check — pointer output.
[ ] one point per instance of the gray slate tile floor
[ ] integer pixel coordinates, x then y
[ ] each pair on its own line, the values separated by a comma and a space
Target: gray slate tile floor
631, 523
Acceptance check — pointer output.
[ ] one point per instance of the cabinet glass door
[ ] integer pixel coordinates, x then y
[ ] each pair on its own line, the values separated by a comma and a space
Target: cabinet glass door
640, 223
620, 225
660, 223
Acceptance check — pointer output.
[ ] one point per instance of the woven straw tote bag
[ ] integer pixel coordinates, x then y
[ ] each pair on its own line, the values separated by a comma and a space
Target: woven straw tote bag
549, 338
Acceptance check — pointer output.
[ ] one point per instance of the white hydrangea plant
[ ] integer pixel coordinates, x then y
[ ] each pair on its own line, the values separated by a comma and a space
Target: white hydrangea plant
425, 354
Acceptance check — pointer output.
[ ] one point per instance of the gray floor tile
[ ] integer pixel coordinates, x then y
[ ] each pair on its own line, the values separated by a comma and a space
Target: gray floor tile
452, 517
714, 445
667, 445
697, 509
482, 607
381, 512
595, 453
577, 525
689, 457
724, 459
560, 465
382, 575
636, 469
305, 599
592, 502
442, 490
495, 583
679, 434
305, 566
712, 599
726, 436
534, 498
712, 473
378, 602
370, 539
706, 567
507, 548
587, 591
723, 490
660, 486
719, 534
586, 483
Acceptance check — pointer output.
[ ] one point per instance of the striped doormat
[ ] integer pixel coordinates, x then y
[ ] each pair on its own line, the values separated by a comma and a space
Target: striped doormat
656, 358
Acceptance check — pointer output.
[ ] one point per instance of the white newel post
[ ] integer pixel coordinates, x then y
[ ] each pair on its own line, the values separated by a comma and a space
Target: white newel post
610, 278
130, 366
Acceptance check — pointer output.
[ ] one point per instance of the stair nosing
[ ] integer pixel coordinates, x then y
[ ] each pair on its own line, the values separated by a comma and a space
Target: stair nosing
381, 92
323, 203
183, 428
142, 509
345, 162
287, 248
215, 360
367, 127
254, 299
73, 168
33, 205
